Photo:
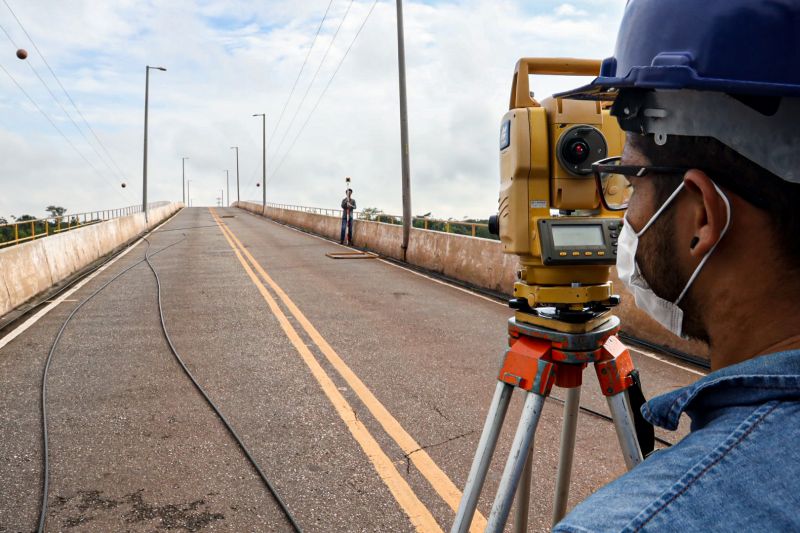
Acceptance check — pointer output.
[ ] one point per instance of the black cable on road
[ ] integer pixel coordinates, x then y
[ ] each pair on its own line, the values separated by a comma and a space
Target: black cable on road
45, 448
71, 282
598, 414
677, 354
45, 439
213, 406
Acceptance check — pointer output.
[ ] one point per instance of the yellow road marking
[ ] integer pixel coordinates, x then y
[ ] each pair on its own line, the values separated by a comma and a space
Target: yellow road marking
420, 516
440, 482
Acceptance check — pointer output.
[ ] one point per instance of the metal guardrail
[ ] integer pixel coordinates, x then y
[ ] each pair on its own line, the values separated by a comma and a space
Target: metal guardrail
29, 230
475, 229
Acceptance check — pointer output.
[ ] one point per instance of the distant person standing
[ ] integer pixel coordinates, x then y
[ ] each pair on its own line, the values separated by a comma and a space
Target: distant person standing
348, 206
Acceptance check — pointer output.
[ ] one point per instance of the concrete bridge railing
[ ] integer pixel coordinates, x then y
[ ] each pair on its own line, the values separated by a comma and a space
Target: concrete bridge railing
472, 260
31, 268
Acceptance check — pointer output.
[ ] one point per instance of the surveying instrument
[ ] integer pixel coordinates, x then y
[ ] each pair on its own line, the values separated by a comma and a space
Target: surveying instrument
551, 215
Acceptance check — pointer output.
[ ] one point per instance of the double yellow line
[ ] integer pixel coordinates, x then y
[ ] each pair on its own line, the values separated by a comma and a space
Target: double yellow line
418, 513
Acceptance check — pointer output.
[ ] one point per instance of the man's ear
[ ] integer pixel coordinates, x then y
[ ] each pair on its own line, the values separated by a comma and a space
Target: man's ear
708, 212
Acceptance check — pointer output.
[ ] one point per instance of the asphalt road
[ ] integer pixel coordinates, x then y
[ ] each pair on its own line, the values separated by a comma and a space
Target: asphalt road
360, 387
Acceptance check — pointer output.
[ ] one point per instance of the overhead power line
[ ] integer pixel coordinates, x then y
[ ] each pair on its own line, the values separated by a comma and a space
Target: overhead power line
58, 102
313, 79
116, 170
52, 123
252, 181
297, 79
308, 119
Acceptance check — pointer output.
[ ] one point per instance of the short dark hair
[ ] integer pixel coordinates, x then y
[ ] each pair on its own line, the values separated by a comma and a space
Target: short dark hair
732, 171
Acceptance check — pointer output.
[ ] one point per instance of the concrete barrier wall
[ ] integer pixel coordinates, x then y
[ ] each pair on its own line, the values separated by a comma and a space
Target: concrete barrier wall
478, 262
29, 269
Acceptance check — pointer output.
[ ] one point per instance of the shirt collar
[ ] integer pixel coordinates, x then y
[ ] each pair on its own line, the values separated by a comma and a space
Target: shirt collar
761, 379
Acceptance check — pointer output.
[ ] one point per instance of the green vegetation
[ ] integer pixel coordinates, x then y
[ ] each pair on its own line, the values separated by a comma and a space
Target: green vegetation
370, 213
23, 231
459, 227
56, 211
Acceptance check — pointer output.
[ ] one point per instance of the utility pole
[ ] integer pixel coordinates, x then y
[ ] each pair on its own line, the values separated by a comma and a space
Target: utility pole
228, 186
238, 199
404, 150
263, 159
183, 163
146, 105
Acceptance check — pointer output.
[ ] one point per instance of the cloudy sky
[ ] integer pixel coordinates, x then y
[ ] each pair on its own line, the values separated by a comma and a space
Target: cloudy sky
228, 59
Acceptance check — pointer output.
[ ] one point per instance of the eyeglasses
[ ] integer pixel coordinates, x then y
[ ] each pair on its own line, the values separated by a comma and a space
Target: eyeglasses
613, 183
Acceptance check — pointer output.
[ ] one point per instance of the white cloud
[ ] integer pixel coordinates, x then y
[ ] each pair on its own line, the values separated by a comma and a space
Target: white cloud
568, 10
228, 59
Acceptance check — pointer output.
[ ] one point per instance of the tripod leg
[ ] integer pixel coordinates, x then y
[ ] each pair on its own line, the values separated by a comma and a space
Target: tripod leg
617, 374
512, 473
571, 407
523, 497
483, 457
626, 430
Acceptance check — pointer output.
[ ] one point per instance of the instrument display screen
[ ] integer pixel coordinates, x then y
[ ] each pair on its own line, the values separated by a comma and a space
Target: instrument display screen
578, 236
579, 240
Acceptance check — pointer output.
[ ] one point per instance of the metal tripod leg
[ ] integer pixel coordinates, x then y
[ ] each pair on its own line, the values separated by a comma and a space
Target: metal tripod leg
523, 497
626, 431
531, 411
483, 457
568, 431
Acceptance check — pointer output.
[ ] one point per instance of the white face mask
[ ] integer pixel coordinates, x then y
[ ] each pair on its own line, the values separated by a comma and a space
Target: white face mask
668, 314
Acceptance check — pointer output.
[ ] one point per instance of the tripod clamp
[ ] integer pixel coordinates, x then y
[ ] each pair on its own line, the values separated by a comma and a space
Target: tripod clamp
561, 357
537, 359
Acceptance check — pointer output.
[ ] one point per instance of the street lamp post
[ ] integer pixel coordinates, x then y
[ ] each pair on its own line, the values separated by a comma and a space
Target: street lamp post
238, 198
228, 186
263, 159
188, 192
401, 63
183, 163
146, 105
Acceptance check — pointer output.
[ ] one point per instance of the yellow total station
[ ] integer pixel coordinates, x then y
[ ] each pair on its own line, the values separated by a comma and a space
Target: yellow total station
550, 213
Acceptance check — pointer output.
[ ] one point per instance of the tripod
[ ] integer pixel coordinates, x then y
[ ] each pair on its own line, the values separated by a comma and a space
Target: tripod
537, 359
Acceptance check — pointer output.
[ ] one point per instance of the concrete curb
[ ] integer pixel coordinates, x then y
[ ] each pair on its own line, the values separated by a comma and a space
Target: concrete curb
29, 269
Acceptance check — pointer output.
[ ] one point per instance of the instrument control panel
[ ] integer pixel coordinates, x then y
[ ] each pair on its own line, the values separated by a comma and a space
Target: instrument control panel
584, 241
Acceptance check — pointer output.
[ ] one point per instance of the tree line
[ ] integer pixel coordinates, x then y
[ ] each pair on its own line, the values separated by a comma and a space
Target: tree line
23, 231
459, 227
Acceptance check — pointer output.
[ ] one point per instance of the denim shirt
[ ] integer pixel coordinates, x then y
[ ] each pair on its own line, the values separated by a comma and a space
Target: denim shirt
738, 470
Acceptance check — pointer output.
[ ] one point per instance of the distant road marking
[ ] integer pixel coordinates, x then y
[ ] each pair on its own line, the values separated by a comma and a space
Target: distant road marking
420, 516
643, 352
440, 482
19, 330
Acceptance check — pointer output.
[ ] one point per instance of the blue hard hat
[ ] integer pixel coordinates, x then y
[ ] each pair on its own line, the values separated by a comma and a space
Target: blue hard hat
749, 47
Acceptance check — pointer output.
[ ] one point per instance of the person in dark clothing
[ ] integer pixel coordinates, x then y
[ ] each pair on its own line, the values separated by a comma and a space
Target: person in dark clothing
348, 206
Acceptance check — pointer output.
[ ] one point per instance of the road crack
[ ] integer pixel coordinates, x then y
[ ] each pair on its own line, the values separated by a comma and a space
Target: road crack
408, 455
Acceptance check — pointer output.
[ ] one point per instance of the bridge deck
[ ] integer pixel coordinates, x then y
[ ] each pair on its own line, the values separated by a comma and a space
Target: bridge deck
360, 387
